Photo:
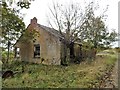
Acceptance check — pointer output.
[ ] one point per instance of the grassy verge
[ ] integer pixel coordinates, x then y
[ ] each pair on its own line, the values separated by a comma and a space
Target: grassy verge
84, 75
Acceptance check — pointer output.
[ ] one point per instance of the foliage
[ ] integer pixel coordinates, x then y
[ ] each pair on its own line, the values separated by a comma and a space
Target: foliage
12, 26
67, 20
96, 30
24, 4
29, 36
84, 75
112, 37
117, 49
4, 56
81, 26
20, 3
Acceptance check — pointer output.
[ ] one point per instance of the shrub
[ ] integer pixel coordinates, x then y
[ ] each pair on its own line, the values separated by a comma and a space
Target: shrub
117, 49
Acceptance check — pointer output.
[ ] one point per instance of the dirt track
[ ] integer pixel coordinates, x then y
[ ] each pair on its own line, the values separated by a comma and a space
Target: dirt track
112, 81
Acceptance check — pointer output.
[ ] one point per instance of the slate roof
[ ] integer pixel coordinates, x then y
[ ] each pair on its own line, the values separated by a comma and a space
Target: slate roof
52, 31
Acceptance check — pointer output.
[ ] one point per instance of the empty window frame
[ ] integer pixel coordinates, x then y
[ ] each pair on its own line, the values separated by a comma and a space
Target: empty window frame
17, 52
36, 50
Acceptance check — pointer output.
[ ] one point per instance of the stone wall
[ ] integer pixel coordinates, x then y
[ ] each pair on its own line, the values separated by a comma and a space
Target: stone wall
50, 47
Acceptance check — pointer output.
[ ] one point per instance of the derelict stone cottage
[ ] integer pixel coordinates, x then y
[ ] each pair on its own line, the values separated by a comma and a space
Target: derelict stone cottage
49, 47
46, 49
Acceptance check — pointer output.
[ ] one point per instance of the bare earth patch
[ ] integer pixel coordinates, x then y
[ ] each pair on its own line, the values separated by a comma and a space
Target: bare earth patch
114, 77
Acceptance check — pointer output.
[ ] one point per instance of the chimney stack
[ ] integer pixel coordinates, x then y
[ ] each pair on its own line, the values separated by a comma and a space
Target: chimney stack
34, 21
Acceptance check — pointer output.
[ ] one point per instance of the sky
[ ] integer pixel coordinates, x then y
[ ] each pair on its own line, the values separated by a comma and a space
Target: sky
39, 9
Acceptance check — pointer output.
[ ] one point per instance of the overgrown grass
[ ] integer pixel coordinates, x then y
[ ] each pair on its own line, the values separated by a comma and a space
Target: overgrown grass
83, 75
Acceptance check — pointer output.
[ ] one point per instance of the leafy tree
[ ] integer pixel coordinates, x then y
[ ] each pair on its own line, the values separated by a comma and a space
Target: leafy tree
19, 3
12, 26
112, 37
96, 30
79, 25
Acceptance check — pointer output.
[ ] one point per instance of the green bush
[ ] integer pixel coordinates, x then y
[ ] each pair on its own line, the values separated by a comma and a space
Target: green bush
117, 49
4, 56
